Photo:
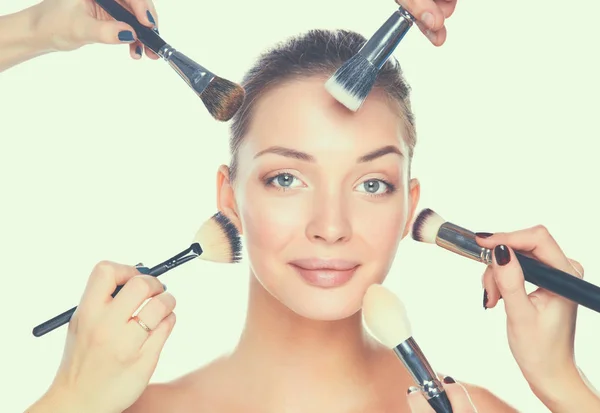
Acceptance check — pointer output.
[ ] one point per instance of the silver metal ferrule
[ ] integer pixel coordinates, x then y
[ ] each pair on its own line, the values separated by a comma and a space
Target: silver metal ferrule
415, 362
462, 241
382, 44
194, 74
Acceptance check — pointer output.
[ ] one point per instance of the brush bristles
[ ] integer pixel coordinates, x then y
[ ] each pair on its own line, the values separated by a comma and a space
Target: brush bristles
426, 226
352, 82
223, 98
384, 316
220, 240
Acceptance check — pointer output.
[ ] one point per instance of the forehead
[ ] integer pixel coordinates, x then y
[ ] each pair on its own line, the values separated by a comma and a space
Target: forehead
301, 114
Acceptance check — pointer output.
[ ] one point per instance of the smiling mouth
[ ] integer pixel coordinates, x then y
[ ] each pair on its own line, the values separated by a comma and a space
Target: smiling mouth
325, 275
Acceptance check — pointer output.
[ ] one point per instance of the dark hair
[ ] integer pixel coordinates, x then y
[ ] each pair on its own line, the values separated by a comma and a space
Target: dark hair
317, 52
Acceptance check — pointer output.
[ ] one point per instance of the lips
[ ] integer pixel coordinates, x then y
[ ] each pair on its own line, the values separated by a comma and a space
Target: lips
325, 273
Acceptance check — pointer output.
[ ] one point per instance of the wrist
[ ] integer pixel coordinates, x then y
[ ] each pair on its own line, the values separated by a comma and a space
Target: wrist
566, 393
58, 400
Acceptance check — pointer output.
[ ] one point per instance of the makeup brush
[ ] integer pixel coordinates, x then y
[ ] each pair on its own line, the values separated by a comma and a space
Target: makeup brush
385, 317
221, 97
217, 240
431, 228
352, 82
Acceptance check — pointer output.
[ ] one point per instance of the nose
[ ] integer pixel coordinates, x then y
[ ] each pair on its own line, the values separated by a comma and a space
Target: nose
329, 221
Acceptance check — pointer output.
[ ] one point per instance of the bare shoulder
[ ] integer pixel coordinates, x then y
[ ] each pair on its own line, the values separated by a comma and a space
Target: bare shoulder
194, 392
486, 401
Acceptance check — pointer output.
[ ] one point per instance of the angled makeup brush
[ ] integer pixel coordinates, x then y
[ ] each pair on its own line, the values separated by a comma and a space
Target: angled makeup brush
221, 97
352, 82
217, 240
385, 317
431, 228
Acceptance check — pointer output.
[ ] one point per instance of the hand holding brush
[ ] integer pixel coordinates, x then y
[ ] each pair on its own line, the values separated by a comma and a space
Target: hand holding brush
123, 320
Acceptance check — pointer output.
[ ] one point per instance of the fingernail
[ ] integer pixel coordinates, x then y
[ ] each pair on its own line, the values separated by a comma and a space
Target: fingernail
165, 287
502, 254
150, 18
138, 50
428, 19
485, 299
483, 234
412, 389
139, 264
126, 36
449, 380
431, 35
144, 270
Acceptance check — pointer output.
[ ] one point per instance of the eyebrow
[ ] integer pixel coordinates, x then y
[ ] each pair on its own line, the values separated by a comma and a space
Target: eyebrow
303, 156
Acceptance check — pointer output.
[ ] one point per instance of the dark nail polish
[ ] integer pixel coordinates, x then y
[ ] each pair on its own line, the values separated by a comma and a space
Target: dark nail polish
165, 287
485, 299
138, 50
449, 380
483, 234
502, 254
139, 264
126, 36
144, 270
150, 18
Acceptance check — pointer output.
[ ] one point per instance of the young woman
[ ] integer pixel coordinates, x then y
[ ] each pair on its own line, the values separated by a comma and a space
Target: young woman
323, 197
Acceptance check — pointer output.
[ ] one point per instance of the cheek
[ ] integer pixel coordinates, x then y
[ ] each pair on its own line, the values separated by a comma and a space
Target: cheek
381, 227
270, 222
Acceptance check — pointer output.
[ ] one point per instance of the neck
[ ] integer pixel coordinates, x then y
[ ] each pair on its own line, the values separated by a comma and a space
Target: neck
301, 362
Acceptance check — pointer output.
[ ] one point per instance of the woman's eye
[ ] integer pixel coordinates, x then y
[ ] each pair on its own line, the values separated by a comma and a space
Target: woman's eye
283, 181
375, 187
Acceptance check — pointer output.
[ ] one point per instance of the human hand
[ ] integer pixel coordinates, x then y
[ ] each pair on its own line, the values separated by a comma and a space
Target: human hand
457, 394
71, 24
109, 358
431, 17
541, 325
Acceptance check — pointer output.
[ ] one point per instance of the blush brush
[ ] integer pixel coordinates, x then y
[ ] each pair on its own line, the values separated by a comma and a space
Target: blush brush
221, 97
217, 240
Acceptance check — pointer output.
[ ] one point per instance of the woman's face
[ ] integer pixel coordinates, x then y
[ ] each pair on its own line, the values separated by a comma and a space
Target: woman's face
323, 197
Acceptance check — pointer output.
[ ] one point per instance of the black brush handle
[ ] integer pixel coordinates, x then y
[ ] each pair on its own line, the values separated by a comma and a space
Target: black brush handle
145, 34
65, 317
560, 283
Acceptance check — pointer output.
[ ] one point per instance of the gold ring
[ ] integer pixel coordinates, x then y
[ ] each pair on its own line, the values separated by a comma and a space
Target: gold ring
142, 324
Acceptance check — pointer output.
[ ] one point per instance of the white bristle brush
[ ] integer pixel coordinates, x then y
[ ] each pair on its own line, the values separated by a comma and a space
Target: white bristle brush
385, 318
352, 82
431, 228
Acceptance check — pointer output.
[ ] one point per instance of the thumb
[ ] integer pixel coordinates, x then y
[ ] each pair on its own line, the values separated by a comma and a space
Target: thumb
109, 32
511, 283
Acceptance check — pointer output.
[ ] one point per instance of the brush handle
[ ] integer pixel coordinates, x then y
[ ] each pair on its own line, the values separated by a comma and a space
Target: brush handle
145, 34
65, 317
560, 283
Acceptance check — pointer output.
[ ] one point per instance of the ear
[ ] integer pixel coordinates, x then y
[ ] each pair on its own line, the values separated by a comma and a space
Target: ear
414, 195
226, 197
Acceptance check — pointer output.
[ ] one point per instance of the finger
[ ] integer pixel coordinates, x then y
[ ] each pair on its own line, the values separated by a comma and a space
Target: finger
153, 346
459, 397
144, 12
151, 54
152, 313
437, 38
103, 280
105, 31
537, 241
132, 296
417, 402
509, 278
135, 50
447, 7
425, 11
491, 293
577, 267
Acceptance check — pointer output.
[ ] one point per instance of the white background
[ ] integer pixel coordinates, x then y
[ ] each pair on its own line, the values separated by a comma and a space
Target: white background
103, 157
